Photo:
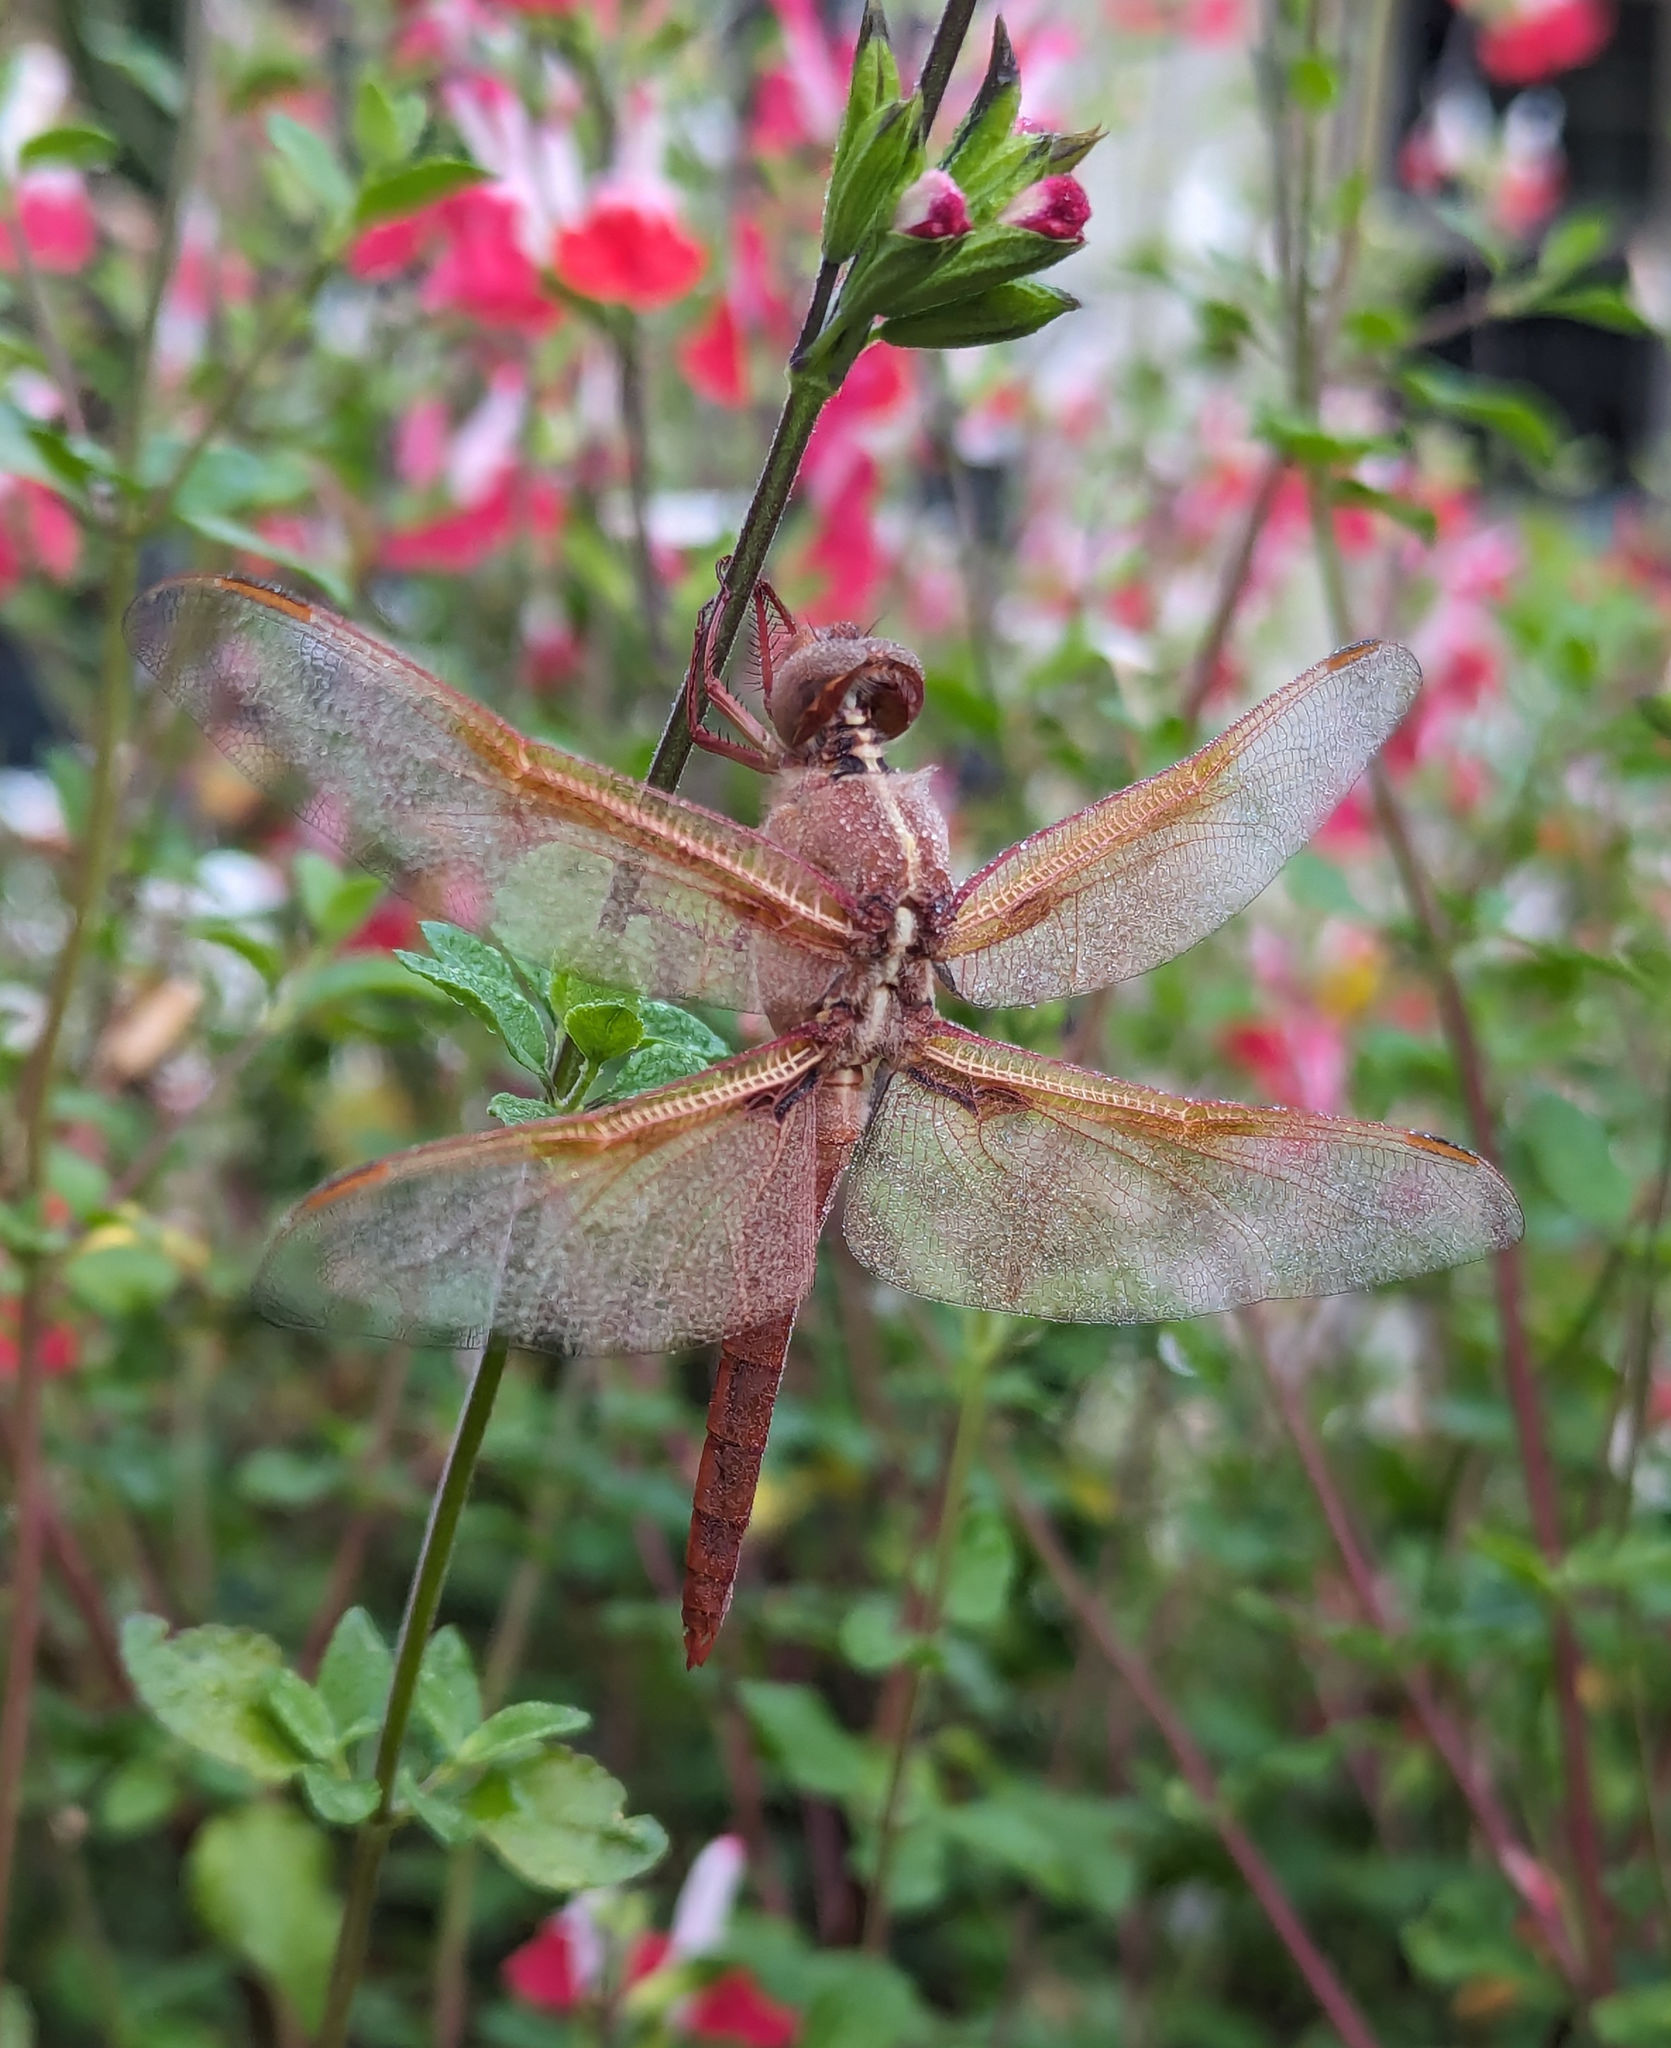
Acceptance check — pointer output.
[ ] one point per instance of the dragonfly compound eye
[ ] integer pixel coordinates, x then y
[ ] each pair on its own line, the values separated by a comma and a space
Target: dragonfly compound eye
826, 666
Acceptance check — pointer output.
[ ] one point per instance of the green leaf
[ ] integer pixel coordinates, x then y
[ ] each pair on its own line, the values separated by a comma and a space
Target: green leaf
1072, 1847
141, 63
520, 1109
1313, 83
413, 187
987, 126
261, 953
445, 1815
119, 1280
354, 1672
339, 1802
1575, 1160
279, 1478
449, 1701
667, 1024
972, 268
814, 1751
387, 125
314, 163
525, 1725
1572, 245
1007, 312
557, 1822
233, 533
870, 1635
604, 1023
137, 1797
302, 1714
335, 901
480, 978
1598, 305
651, 1066
258, 1881
79, 143
209, 1686
1638, 2018
983, 1566
1517, 414
1417, 519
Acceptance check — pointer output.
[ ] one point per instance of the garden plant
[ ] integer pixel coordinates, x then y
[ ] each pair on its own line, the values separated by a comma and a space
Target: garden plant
1296, 1674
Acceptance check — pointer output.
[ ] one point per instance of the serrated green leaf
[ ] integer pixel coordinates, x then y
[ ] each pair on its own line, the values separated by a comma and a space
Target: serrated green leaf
413, 187
208, 1686
520, 1109
314, 162
557, 1822
525, 1725
480, 978
449, 1700
302, 1715
667, 1024
603, 1031
446, 1816
79, 143
354, 1672
258, 1879
339, 1802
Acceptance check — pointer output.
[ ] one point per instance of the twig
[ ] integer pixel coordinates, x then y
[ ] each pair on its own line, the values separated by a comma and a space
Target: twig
1231, 589
1134, 1671
1447, 1738
423, 1599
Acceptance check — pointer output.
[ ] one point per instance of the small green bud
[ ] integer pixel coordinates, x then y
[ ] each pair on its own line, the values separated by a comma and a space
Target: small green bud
871, 167
1005, 313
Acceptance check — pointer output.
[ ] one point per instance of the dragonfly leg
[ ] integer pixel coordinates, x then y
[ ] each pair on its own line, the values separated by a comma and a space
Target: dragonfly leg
758, 748
739, 1416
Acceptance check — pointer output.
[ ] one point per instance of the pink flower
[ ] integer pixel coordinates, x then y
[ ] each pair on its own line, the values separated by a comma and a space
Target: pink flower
38, 531
560, 1966
1532, 40
713, 358
57, 221
1056, 207
1299, 1060
60, 1347
801, 101
392, 246
454, 542
933, 209
629, 249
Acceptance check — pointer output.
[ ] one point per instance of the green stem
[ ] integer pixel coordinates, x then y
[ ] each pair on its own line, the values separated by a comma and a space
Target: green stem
966, 1436
422, 1600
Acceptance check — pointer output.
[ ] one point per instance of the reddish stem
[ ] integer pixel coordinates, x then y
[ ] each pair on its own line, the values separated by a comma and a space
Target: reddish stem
1336, 2001
1583, 1834
1446, 1735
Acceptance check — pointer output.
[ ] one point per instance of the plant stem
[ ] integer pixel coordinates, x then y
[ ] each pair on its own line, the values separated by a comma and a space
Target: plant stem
965, 1438
422, 1600
806, 398
1337, 2003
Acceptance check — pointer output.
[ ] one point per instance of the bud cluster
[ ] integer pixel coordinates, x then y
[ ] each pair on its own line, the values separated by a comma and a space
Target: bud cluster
941, 254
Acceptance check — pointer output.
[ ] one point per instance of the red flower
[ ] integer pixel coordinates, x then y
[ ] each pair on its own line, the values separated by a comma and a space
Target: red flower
549, 1972
37, 531
1056, 207
457, 541
56, 217
734, 2008
483, 271
1537, 39
933, 209
629, 251
392, 245
712, 357
60, 1348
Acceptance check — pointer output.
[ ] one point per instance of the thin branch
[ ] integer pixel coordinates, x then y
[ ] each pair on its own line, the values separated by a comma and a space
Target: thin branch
1512, 1857
1134, 1671
1231, 589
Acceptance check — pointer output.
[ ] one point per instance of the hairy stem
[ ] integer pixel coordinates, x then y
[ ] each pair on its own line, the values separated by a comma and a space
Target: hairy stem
422, 1601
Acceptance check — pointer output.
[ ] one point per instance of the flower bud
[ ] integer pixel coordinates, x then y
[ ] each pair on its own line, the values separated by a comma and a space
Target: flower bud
985, 129
1056, 207
933, 209
1005, 313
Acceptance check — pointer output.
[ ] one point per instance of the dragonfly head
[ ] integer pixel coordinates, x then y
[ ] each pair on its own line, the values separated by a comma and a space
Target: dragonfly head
826, 673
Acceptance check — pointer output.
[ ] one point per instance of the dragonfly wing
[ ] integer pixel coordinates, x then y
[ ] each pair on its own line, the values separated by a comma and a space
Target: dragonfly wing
561, 859
1001, 1180
659, 1222
1138, 878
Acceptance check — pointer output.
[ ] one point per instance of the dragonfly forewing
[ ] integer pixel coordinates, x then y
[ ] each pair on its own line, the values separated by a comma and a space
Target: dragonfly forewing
559, 858
1141, 876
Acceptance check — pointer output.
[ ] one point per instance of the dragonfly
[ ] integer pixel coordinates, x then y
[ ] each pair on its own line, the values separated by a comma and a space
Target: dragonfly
971, 1171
